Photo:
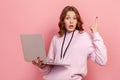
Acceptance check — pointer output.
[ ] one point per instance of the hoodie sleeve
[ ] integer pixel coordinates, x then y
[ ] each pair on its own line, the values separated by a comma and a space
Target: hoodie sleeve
97, 49
50, 56
51, 52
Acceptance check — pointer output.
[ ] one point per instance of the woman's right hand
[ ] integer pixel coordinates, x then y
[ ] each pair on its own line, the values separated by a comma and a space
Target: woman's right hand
39, 63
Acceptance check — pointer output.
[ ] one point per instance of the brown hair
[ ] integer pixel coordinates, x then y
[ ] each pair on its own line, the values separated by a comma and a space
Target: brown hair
61, 23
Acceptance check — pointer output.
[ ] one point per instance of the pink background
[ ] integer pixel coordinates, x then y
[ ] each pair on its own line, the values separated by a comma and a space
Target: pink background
41, 17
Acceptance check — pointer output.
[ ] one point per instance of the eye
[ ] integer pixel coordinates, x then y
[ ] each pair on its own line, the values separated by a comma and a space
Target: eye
67, 18
75, 18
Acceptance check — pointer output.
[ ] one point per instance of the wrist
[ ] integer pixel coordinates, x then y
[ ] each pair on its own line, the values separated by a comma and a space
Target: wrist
95, 31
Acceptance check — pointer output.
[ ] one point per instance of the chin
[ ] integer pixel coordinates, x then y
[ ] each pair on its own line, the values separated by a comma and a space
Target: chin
70, 30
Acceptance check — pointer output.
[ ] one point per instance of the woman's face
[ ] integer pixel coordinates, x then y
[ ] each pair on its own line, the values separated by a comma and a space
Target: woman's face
70, 21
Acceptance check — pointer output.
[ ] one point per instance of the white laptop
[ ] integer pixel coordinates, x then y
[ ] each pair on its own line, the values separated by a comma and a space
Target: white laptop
33, 47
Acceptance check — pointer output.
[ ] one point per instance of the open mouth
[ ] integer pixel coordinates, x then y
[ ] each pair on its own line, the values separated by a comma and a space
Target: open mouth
71, 26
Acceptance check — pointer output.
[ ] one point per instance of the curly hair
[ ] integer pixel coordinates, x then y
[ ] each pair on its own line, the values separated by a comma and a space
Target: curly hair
61, 23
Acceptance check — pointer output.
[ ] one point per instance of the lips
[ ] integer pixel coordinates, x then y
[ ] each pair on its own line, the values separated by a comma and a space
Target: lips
71, 26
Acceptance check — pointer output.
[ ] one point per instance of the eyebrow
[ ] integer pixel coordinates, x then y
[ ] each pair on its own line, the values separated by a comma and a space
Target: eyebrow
69, 15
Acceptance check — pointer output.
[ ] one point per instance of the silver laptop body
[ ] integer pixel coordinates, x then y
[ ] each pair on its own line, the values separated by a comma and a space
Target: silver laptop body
33, 47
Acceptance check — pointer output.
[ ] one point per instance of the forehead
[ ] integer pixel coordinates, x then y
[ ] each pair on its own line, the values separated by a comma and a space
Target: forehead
70, 13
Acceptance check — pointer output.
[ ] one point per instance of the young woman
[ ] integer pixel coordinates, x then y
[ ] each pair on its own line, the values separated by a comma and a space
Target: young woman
72, 45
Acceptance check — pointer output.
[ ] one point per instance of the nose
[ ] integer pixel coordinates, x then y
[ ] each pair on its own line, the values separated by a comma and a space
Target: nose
71, 21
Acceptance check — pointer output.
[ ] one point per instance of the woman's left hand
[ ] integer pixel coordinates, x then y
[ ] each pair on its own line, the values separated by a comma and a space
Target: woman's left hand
94, 27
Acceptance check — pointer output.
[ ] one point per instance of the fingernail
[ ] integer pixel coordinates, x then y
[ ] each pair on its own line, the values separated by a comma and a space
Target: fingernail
96, 17
37, 57
33, 61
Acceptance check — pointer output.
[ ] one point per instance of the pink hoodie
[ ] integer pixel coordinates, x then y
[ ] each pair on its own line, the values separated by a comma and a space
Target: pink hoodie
82, 47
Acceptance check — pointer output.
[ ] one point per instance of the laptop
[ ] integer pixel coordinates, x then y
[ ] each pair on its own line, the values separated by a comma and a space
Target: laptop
33, 47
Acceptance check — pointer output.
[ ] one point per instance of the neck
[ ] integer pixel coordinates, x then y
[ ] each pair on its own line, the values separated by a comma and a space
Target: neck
70, 31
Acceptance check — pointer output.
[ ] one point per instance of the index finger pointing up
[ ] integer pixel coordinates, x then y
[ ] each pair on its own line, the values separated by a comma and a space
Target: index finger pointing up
96, 20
